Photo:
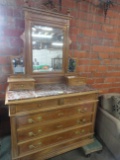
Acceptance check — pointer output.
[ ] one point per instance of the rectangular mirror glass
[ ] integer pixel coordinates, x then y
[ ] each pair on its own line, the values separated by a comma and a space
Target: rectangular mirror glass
47, 48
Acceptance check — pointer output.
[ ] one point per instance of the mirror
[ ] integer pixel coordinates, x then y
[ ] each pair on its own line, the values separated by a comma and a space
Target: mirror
72, 65
17, 65
46, 42
47, 48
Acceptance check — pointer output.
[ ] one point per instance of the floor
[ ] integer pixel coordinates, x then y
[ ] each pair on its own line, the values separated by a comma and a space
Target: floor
76, 154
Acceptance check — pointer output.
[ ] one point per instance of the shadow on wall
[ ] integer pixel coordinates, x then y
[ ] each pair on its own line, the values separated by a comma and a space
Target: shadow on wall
4, 120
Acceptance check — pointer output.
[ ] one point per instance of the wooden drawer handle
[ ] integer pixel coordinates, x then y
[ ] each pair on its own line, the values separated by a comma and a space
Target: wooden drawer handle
80, 132
30, 120
82, 110
39, 118
33, 134
60, 126
21, 85
33, 147
81, 121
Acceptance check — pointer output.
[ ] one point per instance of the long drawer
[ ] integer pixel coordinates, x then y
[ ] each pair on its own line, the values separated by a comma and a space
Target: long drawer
27, 107
53, 139
39, 130
43, 117
60, 148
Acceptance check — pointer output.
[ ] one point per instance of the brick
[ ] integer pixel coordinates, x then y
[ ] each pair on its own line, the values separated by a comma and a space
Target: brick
4, 60
12, 32
85, 47
2, 95
108, 49
104, 55
74, 13
108, 28
97, 26
95, 62
90, 81
82, 15
84, 61
96, 41
9, 51
6, 69
102, 68
109, 80
74, 30
18, 13
99, 80
83, 68
20, 23
17, 42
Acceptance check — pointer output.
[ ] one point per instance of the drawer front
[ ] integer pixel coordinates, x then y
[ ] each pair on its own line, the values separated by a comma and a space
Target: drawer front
21, 85
53, 115
37, 105
54, 139
54, 103
80, 99
60, 148
38, 130
77, 81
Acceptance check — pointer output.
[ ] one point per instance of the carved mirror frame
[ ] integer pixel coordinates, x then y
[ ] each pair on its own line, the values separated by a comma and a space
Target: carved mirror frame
45, 17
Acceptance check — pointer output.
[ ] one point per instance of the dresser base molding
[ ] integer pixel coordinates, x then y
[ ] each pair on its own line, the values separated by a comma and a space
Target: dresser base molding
56, 150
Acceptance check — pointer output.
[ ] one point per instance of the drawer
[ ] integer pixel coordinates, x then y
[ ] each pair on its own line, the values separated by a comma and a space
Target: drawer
38, 130
20, 83
53, 139
21, 86
53, 103
60, 148
75, 80
43, 117
80, 99
36, 105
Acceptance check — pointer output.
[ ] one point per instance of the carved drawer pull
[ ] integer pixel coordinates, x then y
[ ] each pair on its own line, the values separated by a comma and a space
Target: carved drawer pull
83, 120
85, 109
60, 114
33, 134
80, 132
21, 85
80, 121
30, 120
79, 110
82, 110
60, 126
33, 147
39, 118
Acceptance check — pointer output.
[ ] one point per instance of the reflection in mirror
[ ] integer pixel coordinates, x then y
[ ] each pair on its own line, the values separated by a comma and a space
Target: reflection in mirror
47, 48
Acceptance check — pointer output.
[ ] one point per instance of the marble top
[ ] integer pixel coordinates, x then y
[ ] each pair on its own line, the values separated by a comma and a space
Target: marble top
44, 90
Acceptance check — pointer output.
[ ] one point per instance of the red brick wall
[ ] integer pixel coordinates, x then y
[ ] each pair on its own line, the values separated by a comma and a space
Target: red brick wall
95, 42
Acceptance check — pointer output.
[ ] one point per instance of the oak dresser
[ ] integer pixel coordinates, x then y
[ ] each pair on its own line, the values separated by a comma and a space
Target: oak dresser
51, 119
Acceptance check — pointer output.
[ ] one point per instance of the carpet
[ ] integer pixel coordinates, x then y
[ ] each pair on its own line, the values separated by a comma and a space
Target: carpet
77, 154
